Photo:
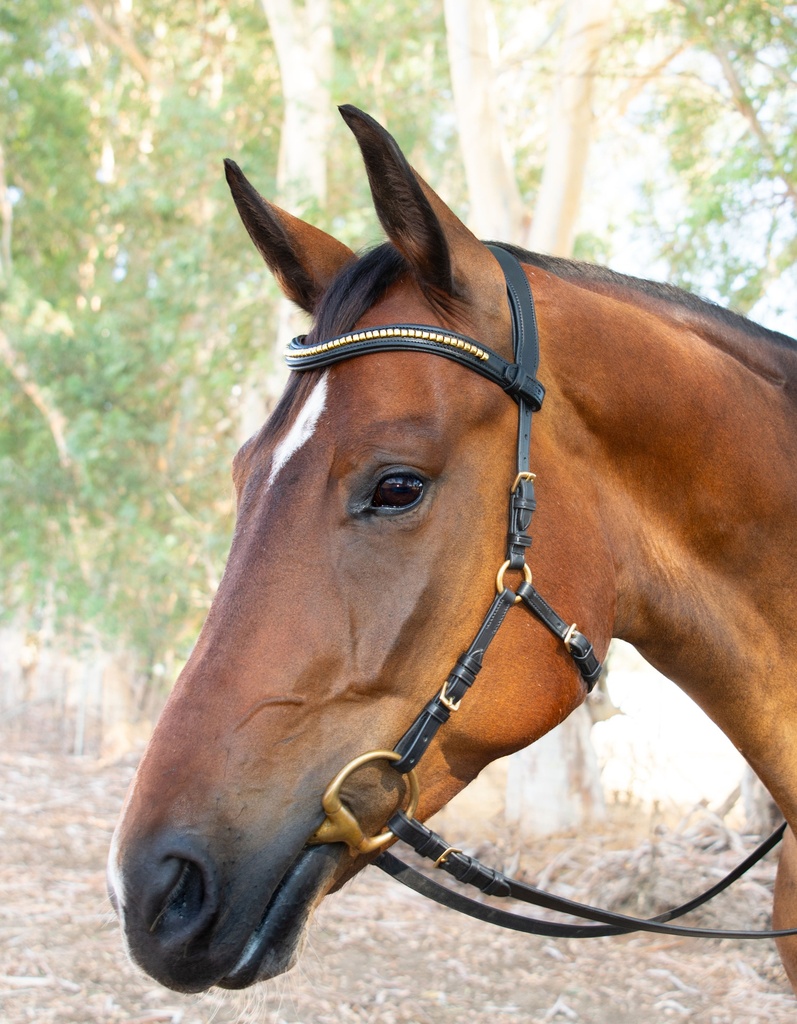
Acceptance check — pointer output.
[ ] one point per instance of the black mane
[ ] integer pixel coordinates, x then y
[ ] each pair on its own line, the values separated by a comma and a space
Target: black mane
364, 281
356, 288
592, 274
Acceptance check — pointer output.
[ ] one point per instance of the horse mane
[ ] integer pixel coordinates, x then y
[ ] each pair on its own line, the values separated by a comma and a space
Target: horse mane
357, 287
590, 274
364, 281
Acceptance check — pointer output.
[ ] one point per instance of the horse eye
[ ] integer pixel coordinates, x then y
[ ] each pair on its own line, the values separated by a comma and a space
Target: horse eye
399, 490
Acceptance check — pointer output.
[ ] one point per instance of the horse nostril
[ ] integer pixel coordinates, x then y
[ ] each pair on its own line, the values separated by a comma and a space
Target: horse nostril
177, 890
185, 900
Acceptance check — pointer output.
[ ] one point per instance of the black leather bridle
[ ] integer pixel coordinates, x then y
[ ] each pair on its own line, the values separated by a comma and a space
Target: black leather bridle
519, 380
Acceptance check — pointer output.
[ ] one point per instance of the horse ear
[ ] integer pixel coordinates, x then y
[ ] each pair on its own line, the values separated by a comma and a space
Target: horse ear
444, 254
303, 259
401, 203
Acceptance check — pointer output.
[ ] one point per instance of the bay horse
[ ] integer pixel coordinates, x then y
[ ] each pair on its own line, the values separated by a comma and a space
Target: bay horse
371, 519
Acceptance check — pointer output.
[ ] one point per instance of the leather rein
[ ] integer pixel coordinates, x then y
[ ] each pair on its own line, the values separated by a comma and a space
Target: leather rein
518, 379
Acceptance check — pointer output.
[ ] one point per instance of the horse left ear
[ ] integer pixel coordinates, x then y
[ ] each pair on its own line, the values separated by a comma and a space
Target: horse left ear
443, 252
303, 259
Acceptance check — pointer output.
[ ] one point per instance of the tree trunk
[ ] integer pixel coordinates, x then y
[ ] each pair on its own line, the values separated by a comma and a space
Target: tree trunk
554, 785
761, 813
586, 32
302, 34
496, 206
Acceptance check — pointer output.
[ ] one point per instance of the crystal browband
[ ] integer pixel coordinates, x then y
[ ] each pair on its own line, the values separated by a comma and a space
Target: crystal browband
417, 338
297, 350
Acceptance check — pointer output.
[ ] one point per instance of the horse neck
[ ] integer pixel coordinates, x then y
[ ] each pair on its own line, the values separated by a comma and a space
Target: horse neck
691, 438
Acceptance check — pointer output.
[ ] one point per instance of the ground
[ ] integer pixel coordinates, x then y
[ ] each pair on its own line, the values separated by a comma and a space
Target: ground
377, 952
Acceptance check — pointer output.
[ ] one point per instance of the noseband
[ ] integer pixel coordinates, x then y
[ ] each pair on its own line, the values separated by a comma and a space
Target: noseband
519, 380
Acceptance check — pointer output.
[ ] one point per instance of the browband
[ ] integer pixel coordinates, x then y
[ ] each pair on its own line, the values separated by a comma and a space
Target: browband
419, 338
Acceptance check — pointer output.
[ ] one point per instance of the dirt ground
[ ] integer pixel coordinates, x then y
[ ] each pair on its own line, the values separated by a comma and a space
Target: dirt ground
377, 952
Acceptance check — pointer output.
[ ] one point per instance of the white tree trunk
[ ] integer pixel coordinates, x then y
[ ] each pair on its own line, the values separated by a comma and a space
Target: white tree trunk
554, 785
761, 813
496, 206
586, 32
302, 34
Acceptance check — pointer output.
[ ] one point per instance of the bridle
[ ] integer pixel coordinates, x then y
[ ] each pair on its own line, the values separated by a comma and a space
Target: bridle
519, 380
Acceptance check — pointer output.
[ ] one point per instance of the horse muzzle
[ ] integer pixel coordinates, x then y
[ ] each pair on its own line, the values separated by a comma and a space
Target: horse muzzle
221, 905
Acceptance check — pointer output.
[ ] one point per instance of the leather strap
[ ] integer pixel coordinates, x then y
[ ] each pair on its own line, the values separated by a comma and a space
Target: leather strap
579, 647
526, 342
521, 386
415, 741
470, 871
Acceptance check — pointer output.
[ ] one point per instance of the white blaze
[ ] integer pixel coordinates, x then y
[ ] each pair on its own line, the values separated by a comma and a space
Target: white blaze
302, 429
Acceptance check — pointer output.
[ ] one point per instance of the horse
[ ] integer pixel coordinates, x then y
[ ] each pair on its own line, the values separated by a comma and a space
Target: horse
371, 520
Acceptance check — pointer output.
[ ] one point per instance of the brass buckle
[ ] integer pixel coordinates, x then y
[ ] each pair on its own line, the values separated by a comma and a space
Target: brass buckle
567, 639
340, 825
445, 855
522, 476
499, 579
447, 702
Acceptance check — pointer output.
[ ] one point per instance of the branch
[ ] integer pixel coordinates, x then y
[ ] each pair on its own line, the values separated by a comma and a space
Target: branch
741, 100
57, 423
53, 417
632, 91
6, 216
745, 107
123, 42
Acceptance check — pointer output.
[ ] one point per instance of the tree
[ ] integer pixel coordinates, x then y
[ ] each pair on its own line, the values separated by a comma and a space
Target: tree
302, 35
723, 106
125, 289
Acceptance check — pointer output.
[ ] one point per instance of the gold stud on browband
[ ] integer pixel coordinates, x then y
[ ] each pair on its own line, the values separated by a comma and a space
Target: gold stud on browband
411, 334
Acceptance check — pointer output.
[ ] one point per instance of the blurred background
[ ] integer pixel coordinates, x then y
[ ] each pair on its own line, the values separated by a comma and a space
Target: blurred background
140, 333
140, 340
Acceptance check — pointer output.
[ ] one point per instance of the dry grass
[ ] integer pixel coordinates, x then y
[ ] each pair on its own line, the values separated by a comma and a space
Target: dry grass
377, 953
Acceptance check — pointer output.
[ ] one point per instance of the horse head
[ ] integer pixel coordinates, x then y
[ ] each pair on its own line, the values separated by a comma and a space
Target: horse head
371, 521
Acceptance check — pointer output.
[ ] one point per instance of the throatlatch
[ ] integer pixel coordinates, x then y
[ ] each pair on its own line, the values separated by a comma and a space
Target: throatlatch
519, 380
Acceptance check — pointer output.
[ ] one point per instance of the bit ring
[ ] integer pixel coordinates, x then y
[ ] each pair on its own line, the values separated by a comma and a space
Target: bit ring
340, 824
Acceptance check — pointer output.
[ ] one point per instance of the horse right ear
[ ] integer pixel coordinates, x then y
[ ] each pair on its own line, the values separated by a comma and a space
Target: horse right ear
302, 258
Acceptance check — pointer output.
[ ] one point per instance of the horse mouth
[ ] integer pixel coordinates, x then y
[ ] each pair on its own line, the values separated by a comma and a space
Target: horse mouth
275, 944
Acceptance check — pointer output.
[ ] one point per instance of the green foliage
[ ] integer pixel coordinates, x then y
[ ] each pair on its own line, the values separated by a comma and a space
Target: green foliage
726, 109
136, 305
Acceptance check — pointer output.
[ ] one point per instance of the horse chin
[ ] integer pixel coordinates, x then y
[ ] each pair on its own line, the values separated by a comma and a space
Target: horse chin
275, 945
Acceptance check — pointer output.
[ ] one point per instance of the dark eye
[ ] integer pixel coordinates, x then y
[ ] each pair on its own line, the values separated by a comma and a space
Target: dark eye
399, 490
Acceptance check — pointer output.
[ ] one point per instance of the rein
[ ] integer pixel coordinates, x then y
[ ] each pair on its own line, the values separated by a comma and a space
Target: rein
519, 380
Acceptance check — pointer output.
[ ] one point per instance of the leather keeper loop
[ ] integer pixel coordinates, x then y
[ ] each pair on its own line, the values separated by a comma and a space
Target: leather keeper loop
521, 385
415, 741
517, 545
464, 673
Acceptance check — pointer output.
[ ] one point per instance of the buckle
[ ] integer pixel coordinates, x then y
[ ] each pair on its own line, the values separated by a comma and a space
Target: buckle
522, 477
447, 702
